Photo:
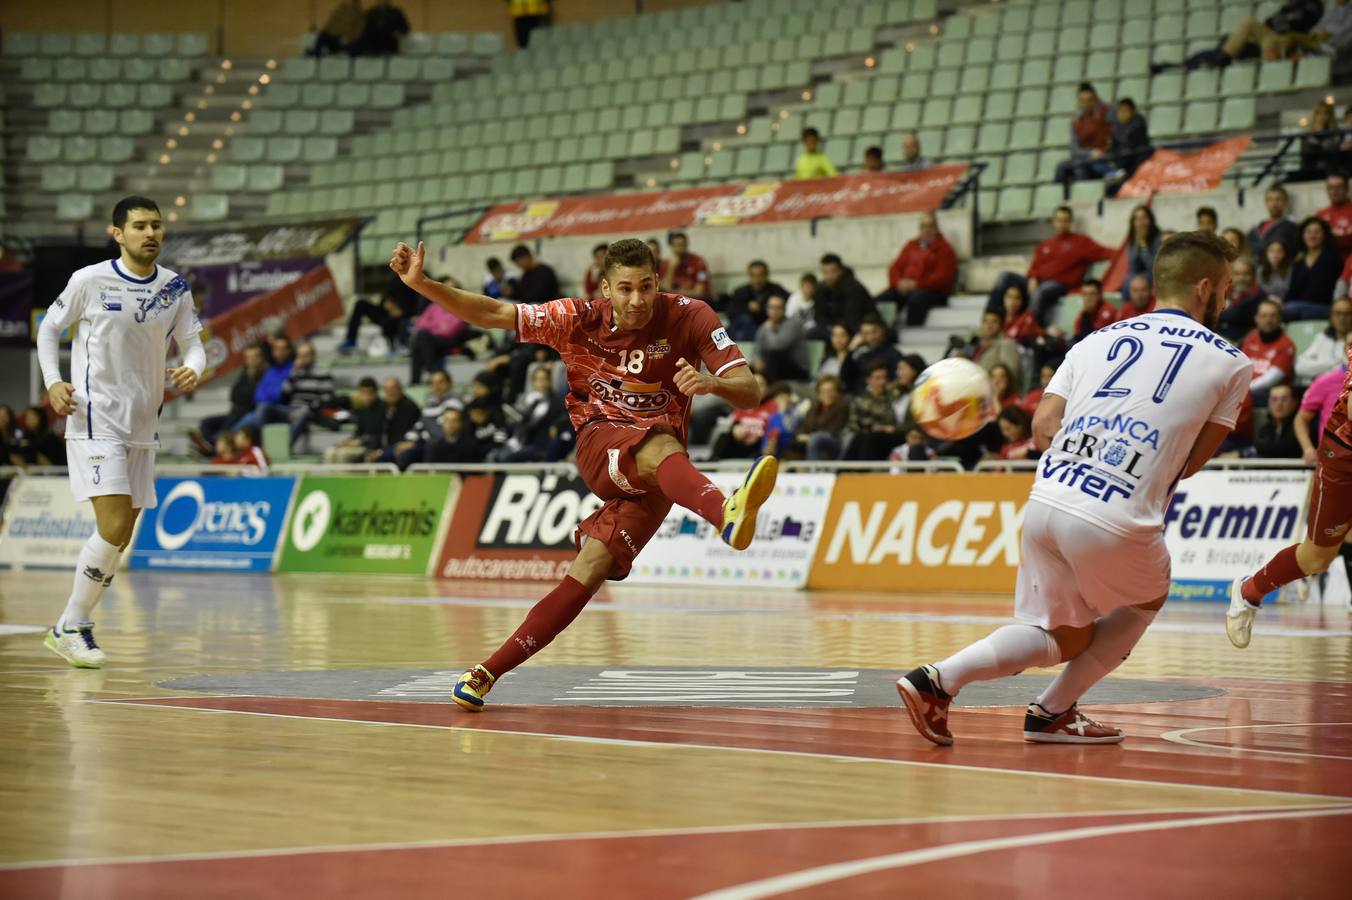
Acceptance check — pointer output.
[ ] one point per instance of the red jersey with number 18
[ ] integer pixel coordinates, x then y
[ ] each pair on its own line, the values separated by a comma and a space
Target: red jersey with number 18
629, 376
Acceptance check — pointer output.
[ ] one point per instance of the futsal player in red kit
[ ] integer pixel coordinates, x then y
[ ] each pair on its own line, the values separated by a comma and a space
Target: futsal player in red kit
633, 358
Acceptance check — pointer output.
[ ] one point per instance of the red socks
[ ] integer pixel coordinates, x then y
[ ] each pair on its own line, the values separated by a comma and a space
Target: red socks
1281, 569
683, 484
543, 623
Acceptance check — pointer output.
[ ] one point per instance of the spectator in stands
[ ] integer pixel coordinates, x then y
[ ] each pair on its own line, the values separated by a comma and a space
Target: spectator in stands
781, 344
368, 414
820, 434
1034, 397
871, 348
386, 26
1314, 274
899, 390
401, 414
1143, 243
36, 444
684, 272
393, 314
782, 427
1274, 431
1016, 428
1236, 239
436, 333
812, 162
494, 278
656, 247
241, 401
1091, 135
1271, 350
268, 405
1276, 227
9, 433
1321, 147
1274, 272
1207, 220
1317, 405
991, 348
427, 430
591, 280
1271, 38
747, 305
528, 15
537, 410
1020, 325
872, 424
1241, 304
800, 301
1130, 143
1338, 214
537, 283
1329, 347
242, 449
1140, 298
1059, 266
924, 273
1096, 312
1005, 386
912, 160
308, 395
840, 296
743, 438
488, 424
873, 159
341, 30
839, 358
917, 448
455, 442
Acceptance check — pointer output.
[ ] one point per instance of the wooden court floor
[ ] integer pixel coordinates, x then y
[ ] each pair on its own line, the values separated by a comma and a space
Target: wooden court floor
290, 737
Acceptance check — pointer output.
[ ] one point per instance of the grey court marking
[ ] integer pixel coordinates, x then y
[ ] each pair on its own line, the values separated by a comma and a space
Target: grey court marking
661, 687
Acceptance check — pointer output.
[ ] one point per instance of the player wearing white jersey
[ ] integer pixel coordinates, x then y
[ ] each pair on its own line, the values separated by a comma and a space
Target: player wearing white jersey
1135, 407
125, 311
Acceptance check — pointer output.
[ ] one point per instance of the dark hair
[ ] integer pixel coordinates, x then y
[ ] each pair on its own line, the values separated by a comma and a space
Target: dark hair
1092, 282
600, 247
872, 319
1268, 301
873, 151
519, 251
435, 372
1337, 174
999, 314
1313, 220
629, 252
1086, 86
1183, 254
1152, 234
673, 235
252, 433
915, 361
1279, 188
1013, 377
832, 259
758, 262
811, 132
1128, 102
777, 388
1265, 267
1208, 211
878, 367
493, 263
1023, 294
480, 403
368, 383
808, 276
1017, 417
1065, 209
124, 207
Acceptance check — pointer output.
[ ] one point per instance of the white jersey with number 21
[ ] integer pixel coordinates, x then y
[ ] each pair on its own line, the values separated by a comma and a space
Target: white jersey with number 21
1137, 395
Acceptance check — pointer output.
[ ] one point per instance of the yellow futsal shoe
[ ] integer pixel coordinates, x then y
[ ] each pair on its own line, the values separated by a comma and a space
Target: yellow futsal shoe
76, 646
469, 691
739, 510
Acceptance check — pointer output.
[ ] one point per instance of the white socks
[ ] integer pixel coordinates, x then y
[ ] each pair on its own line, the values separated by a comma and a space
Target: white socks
1005, 651
1114, 636
93, 573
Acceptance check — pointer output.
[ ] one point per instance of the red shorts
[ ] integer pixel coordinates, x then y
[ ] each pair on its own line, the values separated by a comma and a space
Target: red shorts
1331, 500
633, 510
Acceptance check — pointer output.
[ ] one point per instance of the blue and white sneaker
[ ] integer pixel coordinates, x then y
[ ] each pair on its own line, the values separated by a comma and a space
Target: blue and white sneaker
76, 646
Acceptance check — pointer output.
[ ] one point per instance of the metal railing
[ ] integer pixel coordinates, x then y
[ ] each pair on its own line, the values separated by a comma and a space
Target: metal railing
475, 211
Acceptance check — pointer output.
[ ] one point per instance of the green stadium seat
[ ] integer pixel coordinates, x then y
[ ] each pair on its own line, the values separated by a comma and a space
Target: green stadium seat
229, 178
171, 69
1133, 61
79, 149
937, 109
74, 207
1068, 69
1166, 121
1313, 72
49, 96
369, 68
1036, 73
116, 149
1202, 83
1020, 168
883, 89
298, 68
58, 178
193, 44
1201, 115
486, 44
1012, 48
437, 70
99, 122
959, 140
265, 178
1047, 197
905, 117
1239, 79
1013, 204
353, 95
37, 69
55, 44
1047, 162
1041, 44
1026, 135
157, 45
976, 79
993, 137
952, 53
266, 121
334, 68
1072, 39
999, 105
748, 162
1168, 27
155, 96
915, 86
135, 122
965, 110
64, 121
300, 121
336, 122
1168, 88
21, 43
1031, 102
1237, 114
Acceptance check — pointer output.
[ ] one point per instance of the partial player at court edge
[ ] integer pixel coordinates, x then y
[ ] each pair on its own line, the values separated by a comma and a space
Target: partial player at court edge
633, 362
1325, 529
124, 311
1136, 407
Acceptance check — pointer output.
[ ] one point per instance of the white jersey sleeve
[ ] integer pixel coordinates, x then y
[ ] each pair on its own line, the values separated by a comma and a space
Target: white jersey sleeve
1137, 395
66, 309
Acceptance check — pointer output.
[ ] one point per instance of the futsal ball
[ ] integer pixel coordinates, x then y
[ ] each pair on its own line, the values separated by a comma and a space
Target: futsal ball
952, 399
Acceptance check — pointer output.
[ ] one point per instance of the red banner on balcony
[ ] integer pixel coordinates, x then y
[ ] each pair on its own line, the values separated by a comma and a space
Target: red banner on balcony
1169, 171
756, 203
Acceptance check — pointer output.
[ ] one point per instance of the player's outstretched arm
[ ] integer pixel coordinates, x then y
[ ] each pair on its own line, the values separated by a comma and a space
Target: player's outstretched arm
475, 309
738, 386
1051, 409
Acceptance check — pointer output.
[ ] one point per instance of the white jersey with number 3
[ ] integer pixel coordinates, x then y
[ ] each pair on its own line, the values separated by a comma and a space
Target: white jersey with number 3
1137, 395
123, 326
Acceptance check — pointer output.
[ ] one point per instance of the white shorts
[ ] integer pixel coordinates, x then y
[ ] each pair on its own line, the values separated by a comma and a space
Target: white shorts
1072, 572
101, 468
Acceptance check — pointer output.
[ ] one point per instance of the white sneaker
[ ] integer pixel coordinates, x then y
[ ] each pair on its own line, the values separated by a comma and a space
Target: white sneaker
76, 646
1239, 617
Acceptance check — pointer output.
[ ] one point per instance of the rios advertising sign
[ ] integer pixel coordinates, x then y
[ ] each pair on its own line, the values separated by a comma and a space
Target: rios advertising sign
515, 527
376, 524
226, 524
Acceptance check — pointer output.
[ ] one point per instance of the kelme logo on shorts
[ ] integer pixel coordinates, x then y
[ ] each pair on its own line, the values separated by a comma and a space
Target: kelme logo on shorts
311, 521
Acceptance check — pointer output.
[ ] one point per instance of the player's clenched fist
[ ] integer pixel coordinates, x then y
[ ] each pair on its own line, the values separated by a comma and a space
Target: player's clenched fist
691, 381
407, 263
62, 396
184, 378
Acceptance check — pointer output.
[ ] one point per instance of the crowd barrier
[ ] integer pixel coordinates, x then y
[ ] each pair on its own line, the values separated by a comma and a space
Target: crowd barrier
871, 526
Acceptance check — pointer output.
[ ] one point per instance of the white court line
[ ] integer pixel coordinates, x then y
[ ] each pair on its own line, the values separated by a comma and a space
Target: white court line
689, 831
819, 875
1324, 799
7, 630
1178, 737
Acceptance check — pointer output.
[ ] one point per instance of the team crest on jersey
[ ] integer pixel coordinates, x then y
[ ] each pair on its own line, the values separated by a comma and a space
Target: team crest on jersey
645, 399
163, 299
1115, 452
659, 348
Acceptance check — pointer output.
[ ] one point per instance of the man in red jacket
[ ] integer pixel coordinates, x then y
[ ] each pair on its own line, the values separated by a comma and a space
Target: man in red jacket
1140, 298
1271, 349
1097, 313
1059, 266
923, 274
1338, 214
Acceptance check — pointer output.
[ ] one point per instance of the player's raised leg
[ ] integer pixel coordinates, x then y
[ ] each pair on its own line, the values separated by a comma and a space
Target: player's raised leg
72, 638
